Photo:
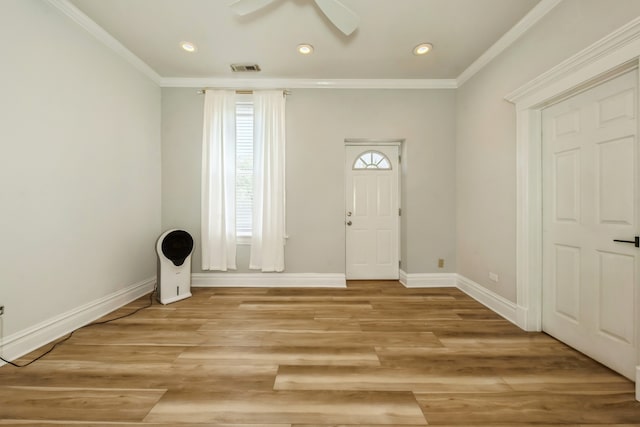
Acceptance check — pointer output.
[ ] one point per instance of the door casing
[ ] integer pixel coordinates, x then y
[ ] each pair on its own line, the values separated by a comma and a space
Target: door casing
371, 143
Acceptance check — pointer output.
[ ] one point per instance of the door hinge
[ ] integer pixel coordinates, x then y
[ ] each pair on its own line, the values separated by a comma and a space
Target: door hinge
399, 264
399, 211
399, 158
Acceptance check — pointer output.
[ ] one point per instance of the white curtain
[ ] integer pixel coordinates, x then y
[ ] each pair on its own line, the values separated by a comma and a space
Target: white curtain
268, 235
218, 228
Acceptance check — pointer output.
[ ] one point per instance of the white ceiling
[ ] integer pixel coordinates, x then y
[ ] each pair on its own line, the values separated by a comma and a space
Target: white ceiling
381, 48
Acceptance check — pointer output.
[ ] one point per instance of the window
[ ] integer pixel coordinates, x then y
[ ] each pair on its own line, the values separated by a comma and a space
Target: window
239, 134
372, 160
244, 165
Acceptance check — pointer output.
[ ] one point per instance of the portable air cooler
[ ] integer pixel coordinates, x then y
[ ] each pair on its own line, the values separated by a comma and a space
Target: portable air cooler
174, 249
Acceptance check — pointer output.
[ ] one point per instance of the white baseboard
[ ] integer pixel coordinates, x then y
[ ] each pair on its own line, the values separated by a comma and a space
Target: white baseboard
25, 341
489, 299
268, 280
428, 280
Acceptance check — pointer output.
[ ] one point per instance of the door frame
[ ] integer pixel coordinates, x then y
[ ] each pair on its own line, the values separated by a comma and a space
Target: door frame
376, 142
613, 55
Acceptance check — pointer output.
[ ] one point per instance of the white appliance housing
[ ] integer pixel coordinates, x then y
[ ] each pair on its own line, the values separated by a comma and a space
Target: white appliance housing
174, 248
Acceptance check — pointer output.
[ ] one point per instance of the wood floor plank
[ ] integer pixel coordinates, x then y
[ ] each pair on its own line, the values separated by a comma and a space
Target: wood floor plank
173, 376
529, 407
115, 336
482, 425
399, 315
293, 304
524, 340
256, 356
84, 375
351, 339
71, 403
491, 364
350, 425
592, 381
236, 314
100, 353
280, 325
425, 355
391, 408
37, 423
388, 379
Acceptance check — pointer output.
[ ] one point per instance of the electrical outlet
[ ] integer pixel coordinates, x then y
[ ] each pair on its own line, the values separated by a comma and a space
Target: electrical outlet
1, 310
440, 263
493, 277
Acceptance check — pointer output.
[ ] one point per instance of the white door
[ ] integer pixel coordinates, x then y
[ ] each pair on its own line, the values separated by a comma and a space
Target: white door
590, 198
372, 212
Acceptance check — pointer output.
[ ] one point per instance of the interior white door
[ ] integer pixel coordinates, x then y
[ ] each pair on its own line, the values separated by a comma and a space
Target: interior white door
372, 212
590, 198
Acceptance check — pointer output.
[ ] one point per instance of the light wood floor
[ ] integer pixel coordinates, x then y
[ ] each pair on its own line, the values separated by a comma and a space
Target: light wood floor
373, 354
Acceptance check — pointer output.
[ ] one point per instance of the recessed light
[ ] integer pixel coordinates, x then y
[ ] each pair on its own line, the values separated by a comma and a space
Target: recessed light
305, 49
188, 46
422, 49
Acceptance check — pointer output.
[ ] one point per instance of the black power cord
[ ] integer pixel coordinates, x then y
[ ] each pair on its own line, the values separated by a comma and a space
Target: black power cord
82, 327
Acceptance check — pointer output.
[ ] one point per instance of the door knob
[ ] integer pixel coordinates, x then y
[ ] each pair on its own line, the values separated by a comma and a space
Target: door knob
349, 213
635, 241
349, 223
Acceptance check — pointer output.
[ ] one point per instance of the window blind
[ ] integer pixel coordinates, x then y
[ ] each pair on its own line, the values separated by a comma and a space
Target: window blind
244, 167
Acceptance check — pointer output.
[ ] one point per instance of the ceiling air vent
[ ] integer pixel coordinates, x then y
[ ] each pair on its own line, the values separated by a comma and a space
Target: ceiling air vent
245, 68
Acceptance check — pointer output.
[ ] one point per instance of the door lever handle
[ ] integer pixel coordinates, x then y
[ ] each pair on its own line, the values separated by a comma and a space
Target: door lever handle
636, 241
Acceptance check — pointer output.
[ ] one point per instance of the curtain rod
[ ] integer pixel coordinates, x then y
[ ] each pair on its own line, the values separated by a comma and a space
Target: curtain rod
240, 91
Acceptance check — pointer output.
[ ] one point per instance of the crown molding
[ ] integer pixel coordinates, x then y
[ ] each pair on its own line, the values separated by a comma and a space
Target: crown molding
623, 42
256, 83
107, 39
510, 37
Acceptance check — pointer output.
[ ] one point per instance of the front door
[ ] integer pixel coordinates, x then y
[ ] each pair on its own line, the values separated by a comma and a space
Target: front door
372, 212
590, 199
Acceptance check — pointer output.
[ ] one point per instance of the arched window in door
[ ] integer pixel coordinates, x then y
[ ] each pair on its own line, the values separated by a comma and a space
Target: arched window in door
372, 160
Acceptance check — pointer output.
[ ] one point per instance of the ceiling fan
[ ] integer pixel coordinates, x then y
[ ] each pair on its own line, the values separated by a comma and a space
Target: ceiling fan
340, 15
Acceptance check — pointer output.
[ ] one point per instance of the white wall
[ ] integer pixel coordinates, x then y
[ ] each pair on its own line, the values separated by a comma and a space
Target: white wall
318, 121
79, 166
485, 144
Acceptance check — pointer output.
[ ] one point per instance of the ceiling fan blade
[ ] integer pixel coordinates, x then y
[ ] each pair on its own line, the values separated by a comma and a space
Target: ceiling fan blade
244, 7
340, 15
